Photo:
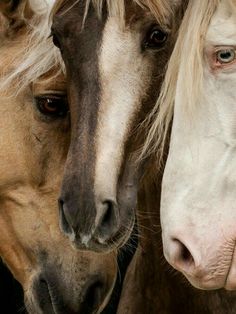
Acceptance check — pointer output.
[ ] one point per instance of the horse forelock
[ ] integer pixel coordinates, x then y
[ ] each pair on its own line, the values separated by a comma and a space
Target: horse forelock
189, 46
34, 53
41, 5
161, 9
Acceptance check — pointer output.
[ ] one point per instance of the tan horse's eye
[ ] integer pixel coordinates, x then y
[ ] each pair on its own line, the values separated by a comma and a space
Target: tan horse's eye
155, 38
52, 106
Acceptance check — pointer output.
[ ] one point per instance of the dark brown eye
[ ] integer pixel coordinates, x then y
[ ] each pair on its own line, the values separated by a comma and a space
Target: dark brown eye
52, 106
155, 38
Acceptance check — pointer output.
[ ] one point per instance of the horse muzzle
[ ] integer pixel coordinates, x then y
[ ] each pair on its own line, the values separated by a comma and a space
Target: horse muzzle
48, 295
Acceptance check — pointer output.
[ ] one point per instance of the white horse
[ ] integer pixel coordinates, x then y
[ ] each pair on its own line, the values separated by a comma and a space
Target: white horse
198, 208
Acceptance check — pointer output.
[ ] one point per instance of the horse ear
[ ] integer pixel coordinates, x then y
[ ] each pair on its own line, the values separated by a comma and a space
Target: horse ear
16, 14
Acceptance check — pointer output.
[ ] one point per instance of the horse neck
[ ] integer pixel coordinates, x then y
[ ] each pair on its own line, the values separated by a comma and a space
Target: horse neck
148, 216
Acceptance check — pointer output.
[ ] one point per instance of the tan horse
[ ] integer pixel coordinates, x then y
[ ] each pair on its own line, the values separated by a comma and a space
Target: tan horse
34, 139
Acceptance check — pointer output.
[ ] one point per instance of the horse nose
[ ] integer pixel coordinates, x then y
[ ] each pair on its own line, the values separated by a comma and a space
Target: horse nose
181, 256
43, 296
50, 296
67, 218
94, 295
107, 220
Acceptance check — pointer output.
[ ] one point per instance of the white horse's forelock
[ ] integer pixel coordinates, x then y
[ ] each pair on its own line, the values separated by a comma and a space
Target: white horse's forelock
189, 46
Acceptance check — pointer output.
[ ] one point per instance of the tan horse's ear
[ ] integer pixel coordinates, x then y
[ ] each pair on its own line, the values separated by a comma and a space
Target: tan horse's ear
16, 13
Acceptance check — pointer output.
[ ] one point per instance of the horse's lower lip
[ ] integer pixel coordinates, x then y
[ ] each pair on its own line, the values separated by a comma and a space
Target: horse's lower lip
117, 241
94, 246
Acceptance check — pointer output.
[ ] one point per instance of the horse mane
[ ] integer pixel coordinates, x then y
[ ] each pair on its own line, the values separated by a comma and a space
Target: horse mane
186, 63
161, 9
38, 55
35, 55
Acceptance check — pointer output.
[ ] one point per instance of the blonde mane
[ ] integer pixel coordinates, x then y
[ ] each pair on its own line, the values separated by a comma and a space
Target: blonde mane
186, 68
35, 53
161, 9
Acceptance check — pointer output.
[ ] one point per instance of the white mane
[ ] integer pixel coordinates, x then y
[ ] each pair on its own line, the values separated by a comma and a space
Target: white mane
192, 30
41, 5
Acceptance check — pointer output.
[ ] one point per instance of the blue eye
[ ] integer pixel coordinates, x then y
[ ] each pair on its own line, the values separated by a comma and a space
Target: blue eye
225, 56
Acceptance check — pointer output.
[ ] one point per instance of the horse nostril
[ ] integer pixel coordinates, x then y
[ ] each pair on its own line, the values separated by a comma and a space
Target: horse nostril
93, 297
186, 255
182, 257
108, 215
63, 221
43, 295
108, 221
43, 289
94, 294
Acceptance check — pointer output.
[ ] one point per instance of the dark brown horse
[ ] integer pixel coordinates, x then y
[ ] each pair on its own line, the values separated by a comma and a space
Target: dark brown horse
153, 287
150, 287
115, 54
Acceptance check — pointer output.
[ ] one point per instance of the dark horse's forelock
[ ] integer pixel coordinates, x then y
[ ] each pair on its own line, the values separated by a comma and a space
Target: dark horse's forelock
161, 9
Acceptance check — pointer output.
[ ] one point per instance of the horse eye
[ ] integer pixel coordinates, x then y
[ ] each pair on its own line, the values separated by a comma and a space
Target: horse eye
225, 56
52, 106
155, 38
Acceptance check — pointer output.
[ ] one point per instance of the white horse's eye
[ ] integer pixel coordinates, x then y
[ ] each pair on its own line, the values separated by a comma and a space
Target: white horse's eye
225, 56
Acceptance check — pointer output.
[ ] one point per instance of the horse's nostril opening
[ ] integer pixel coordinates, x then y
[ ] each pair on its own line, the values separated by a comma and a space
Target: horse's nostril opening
108, 215
60, 202
63, 221
108, 223
94, 294
43, 285
93, 297
184, 255
43, 295
108, 220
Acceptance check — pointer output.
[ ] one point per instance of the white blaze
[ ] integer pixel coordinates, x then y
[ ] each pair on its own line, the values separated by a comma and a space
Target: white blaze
124, 75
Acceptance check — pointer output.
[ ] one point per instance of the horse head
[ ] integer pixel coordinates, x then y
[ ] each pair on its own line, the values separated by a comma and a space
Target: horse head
34, 140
